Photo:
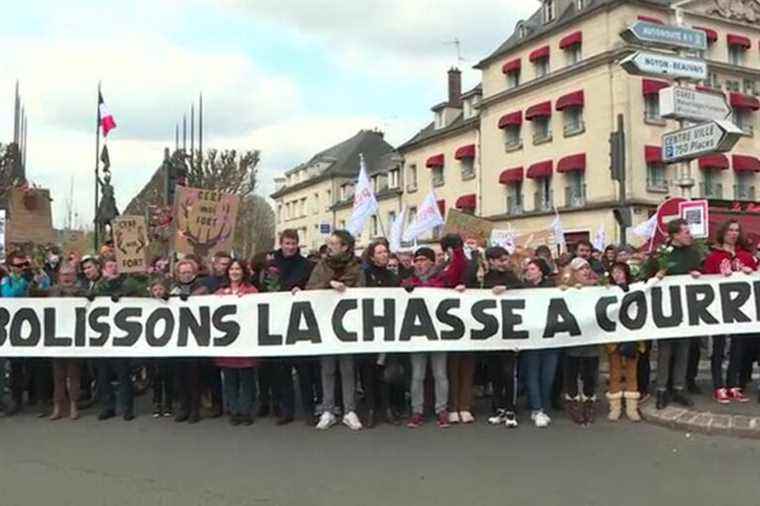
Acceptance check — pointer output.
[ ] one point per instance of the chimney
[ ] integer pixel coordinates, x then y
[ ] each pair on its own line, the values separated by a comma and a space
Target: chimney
455, 87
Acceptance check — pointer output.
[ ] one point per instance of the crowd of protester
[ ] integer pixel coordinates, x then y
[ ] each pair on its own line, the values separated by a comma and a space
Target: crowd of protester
364, 390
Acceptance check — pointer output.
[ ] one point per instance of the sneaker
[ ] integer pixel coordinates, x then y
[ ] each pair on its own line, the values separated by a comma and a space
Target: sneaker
326, 421
443, 420
453, 417
352, 421
499, 418
156, 413
721, 396
737, 395
540, 420
415, 421
168, 412
510, 420
466, 417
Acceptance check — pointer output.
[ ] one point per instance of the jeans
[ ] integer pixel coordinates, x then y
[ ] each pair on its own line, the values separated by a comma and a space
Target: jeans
309, 383
588, 370
348, 383
502, 372
239, 389
187, 373
539, 368
419, 366
376, 391
163, 383
119, 367
735, 359
679, 350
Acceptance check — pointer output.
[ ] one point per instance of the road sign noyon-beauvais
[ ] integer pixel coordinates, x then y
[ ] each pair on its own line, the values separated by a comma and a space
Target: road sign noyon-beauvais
699, 140
666, 36
678, 102
658, 64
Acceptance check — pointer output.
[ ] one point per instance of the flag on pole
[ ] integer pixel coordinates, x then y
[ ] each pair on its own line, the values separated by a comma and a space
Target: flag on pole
397, 228
646, 229
365, 203
558, 231
106, 121
428, 217
600, 239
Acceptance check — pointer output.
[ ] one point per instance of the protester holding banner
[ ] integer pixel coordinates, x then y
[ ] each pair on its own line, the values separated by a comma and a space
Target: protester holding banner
426, 275
239, 373
729, 255
502, 365
584, 249
339, 270
681, 256
162, 368
15, 285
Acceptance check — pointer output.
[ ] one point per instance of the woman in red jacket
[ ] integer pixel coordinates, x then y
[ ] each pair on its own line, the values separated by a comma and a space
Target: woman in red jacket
729, 255
238, 372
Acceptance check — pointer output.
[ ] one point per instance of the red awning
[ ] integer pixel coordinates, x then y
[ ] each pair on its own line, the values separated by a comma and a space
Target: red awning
713, 162
741, 101
738, 40
542, 110
511, 176
574, 99
743, 163
712, 35
540, 170
466, 202
653, 154
465, 152
511, 119
707, 89
512, 66
539, 54
650, 19
435, 161
572, 163
442, 207
652, 86
573, 39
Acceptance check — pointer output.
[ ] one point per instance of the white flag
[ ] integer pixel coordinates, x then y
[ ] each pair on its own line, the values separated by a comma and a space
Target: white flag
646, 229
397, 227
428, 217
365, 203
504, 238
558, 231
600, 239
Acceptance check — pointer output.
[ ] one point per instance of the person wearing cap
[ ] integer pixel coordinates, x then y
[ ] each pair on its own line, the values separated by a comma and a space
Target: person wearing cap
14, 285
426, 276
584, 249
580, 361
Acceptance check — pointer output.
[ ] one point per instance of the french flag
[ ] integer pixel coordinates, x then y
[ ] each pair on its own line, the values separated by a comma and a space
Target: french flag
107, 123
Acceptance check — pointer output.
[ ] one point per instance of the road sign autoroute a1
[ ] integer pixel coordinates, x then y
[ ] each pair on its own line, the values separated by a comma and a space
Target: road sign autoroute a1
666, 36
684, 103
699, 140
658, 64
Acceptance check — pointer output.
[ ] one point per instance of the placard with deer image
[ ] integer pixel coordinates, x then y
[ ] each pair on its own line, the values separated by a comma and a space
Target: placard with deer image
205, 221
130, 241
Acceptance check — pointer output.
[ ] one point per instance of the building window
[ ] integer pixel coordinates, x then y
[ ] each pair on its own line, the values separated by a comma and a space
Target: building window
733, 85
315, 204
393, 179
522, 32
573, 117
750, 87
287, 211
279, 213
711, 186
437, 176
541, 129
580, 5
412, 216
575, 192
346, 191
736, 55
656, 181
439, 120
328, 200
744, 189
411, 177
512, 138
375, 229
742, 118
652, 108
468, 167
542, 67
303, 207
391, 217
712, 81
514, 198
574, 54
543, 199
513, 79
549, 11
342, 224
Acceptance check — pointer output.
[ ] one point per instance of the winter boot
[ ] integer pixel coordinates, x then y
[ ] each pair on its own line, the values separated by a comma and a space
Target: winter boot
632, 406
573, 409
57, 413
589, 404
616, 405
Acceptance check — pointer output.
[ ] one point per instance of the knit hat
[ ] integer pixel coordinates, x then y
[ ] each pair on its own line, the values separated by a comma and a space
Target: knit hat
425, 252
579, 263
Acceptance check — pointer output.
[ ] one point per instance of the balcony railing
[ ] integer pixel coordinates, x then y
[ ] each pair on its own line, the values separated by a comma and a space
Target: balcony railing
657, 185
575, 196
711, 191
541, 137
514, 205
574, 128
513, 144
542, 202
743, 192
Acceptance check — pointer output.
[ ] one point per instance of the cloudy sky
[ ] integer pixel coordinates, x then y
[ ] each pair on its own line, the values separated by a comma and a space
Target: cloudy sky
287, 77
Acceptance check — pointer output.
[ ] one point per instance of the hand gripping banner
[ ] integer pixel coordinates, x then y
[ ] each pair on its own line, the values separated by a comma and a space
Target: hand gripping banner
378, 320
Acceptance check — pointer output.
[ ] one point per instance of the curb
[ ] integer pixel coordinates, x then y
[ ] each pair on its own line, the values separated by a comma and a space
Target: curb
703, 422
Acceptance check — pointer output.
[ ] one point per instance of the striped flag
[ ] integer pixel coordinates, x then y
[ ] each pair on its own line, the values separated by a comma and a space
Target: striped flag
105, 118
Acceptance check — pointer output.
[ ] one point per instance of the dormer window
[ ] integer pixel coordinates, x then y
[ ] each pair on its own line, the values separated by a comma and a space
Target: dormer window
580, 5
522, 32
439, 119
549, 11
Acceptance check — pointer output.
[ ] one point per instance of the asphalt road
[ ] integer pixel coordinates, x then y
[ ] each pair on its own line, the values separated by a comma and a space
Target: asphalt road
158, 462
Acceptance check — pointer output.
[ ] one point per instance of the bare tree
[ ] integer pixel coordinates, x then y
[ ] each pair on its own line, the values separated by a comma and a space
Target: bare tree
227, 171
254, 231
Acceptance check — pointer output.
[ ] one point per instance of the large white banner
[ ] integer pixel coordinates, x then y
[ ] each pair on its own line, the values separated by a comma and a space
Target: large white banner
374, 320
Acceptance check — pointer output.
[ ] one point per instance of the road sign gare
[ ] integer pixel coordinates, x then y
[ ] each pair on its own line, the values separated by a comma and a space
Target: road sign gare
684, 103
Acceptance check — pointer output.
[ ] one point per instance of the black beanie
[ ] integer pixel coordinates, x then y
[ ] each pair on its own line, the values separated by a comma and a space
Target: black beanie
425, 252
